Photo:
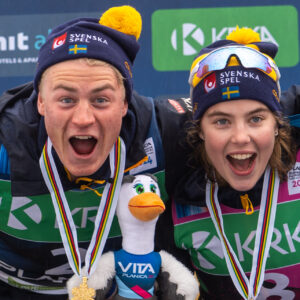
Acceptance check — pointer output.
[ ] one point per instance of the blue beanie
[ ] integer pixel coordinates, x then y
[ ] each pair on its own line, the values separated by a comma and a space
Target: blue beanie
113, 41
234, 82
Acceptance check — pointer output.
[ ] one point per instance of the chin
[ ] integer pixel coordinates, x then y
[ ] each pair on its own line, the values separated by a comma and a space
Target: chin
83, 167
242, 186
81, 172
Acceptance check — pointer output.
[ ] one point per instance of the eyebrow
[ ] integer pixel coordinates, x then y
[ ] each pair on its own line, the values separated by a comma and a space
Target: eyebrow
64, 87
71, 89
252, 112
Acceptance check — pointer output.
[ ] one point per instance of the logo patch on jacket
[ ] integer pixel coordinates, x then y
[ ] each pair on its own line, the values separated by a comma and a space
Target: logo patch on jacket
294, 180
177, 106
152, 160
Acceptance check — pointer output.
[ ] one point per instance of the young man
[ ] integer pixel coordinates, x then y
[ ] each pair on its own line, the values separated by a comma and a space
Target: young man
65, 143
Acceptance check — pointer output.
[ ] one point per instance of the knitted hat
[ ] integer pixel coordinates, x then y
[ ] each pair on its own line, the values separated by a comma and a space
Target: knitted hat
240, 67
112, 39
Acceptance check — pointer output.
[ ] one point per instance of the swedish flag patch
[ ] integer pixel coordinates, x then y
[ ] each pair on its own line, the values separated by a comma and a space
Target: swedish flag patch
74, 49
230, 92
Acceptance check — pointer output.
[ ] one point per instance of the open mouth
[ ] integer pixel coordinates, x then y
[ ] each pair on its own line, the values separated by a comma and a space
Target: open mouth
83, 144
241, 162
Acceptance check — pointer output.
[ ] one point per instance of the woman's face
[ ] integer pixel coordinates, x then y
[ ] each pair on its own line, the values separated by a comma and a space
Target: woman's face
239, 138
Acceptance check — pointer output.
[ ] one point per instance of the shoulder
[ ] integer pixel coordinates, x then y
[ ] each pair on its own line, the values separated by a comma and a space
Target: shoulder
8, 99
16, 94
164, 105
172, 113
174, 105
290, 100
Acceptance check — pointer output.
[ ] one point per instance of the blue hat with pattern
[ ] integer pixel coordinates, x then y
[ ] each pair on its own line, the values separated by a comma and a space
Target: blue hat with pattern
240, 67
112, 39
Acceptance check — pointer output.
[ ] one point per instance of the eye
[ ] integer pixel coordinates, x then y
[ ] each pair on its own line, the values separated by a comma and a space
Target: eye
153, 188
222, 122
67, 100
100, 100
139, 188
256, 119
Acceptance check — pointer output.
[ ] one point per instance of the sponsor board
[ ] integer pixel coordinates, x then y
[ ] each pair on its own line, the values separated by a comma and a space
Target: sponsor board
179, 34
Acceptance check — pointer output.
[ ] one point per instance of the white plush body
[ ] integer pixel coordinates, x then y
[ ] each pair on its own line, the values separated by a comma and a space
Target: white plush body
138, 238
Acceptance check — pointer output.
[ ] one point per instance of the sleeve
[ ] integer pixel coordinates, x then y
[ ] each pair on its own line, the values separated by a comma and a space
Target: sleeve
165, 240
173, 116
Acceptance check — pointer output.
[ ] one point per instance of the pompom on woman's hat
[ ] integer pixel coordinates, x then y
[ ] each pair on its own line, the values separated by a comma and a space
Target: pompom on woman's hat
239, 67
112, 39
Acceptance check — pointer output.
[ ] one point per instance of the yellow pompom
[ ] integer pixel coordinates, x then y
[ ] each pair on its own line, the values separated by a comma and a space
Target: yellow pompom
125, 19
243, 36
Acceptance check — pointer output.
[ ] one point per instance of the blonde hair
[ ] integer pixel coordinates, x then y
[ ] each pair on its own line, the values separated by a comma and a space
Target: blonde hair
283, 157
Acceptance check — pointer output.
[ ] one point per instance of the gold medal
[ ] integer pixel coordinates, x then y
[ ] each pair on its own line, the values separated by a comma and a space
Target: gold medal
83, 292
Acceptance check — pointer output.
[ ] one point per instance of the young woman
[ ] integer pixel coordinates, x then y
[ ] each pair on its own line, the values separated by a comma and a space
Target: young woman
239, 217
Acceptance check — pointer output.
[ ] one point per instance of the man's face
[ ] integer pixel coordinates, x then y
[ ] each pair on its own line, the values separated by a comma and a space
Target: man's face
83, 106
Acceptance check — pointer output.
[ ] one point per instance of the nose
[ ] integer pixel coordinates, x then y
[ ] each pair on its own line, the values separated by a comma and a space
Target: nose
240, 134
83, 114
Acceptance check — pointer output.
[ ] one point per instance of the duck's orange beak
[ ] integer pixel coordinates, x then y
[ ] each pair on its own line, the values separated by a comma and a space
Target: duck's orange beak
146, 206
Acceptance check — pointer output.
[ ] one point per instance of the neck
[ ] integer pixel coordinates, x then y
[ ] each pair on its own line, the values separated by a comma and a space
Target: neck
139, 239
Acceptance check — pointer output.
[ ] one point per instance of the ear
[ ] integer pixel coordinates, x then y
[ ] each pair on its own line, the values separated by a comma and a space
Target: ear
125, 108
41, 105
201, 135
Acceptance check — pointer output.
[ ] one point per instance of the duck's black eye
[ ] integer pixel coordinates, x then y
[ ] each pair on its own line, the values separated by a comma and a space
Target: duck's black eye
153, 188
139, 188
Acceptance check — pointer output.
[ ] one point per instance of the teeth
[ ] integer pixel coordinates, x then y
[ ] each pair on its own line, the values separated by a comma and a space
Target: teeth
240, 156
83, 137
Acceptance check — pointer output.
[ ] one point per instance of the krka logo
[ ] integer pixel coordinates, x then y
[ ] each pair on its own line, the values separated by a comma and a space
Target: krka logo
208, 254
27, 217
190, 37
22, 213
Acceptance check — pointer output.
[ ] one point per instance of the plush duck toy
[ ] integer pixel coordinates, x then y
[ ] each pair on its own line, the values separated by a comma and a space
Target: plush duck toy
136, 267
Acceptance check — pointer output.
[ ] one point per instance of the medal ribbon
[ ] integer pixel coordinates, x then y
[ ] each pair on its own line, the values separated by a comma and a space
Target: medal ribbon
265, 225
105, 213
